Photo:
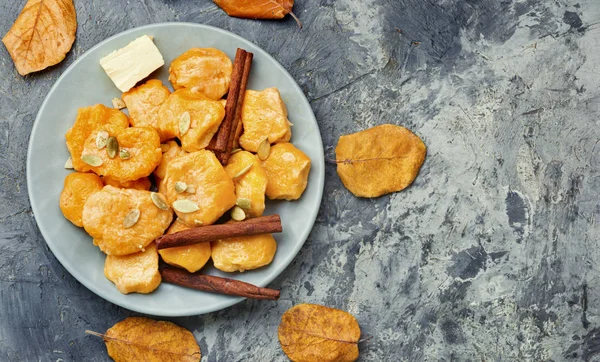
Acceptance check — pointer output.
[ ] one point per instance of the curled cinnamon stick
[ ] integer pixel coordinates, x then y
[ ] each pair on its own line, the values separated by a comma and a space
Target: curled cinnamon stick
222, 136
260, 225
236, 125
213, 284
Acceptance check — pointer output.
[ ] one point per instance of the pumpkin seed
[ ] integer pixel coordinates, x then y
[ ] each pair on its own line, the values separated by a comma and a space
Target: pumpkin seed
118, 103
264, 149
180, 186
184, 123
244, 203
92, 160
191, 189
235, 150
101, 139
164, 147
243, 171
124, 154
131, 218
159, 201
112, 146
185, 206
237, 213
69, 164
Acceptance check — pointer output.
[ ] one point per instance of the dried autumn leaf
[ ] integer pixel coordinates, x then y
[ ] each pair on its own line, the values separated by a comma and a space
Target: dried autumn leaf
310, 332
42, 34
258, 9
144, 339
379, 160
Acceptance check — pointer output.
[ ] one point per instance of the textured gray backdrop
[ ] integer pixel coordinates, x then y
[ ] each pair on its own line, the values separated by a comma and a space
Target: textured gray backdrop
490, 256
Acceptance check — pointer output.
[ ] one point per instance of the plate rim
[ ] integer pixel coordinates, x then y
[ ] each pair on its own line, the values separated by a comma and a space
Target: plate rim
189, 311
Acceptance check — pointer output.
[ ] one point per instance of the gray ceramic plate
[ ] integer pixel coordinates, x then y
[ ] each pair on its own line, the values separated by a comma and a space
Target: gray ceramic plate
84, 83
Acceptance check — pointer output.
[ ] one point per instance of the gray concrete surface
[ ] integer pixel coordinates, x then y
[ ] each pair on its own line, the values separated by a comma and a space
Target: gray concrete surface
492, 254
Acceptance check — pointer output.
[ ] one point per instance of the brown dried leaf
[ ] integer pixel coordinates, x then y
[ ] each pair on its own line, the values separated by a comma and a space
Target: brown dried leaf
379, 160
258, 9
310, 332
144, 339
42, 34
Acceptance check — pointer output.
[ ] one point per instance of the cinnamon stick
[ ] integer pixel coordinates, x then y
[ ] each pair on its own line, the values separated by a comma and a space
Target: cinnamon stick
224, 131
256, 226
211, 144
236, 127
213, 284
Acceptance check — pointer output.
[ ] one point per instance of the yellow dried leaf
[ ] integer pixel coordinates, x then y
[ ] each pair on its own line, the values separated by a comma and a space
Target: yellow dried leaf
310, 332
379, 160
258, 9
42, 34
144, 339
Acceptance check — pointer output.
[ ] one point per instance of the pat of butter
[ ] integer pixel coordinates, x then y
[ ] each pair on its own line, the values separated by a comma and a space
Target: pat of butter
132, 63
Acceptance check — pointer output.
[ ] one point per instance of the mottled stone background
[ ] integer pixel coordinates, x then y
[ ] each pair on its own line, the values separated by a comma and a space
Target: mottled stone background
490, 256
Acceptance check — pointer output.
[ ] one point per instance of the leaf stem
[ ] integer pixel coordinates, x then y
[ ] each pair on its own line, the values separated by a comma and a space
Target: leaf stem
366, 339
87, 331
297, 20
